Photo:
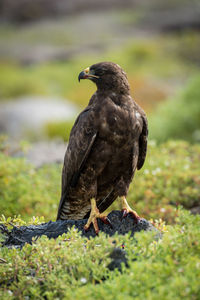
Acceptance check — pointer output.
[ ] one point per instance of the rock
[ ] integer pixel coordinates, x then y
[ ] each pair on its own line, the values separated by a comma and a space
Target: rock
195, 210
118, 257
28, 115
22, 11
19, 236
169, 20
38, 153
46, 152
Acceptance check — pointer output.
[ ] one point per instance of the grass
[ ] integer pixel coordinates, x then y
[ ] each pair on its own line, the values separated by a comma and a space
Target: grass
72, 267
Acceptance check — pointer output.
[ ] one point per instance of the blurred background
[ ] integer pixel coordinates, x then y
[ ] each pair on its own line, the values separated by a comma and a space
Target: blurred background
44, 44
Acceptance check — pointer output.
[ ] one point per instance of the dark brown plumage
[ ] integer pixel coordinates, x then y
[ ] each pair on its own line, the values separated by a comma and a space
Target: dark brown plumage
107, 143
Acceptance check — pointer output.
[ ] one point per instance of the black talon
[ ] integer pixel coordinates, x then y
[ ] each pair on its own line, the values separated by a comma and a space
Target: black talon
124, 214
109, 223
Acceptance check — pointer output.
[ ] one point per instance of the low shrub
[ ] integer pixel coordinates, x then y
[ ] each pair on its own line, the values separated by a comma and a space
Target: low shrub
72, 267
16, 81
170, 177
28, 191
59, 129
178, 118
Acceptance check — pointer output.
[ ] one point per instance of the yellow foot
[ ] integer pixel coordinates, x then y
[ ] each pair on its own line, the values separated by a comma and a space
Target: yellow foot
94, 215
127, 210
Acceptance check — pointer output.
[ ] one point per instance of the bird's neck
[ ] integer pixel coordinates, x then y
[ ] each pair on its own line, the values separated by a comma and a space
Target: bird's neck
113, 92
114, 85
118, 98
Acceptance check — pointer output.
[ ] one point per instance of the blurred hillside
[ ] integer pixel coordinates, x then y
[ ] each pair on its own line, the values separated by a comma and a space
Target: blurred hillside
44, 44
44, 30
172, 14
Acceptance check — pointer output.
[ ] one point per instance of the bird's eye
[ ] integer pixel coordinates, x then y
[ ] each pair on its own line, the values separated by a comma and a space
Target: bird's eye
97, 72
92, 71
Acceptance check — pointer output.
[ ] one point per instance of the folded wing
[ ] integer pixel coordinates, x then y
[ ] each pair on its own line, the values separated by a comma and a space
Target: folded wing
81, 140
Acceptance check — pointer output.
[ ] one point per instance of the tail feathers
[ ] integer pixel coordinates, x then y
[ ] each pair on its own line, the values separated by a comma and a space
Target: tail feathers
62, 202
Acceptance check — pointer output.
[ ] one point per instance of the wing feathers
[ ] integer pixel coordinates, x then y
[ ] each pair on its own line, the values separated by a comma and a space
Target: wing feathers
76, 175
143, 143
82, 138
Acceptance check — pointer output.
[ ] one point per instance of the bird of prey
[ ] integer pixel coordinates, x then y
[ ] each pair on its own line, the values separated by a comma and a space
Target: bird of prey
107, 143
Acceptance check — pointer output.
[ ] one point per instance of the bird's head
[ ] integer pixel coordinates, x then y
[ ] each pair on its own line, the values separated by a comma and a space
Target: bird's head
108, 76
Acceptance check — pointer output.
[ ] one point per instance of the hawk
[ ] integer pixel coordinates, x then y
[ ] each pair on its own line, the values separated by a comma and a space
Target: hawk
107, 143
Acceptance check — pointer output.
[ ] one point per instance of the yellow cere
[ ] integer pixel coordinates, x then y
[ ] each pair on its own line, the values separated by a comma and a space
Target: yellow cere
87, 70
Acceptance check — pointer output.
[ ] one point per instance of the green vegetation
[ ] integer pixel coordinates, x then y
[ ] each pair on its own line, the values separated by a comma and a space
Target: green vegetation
53, 79
148, 62
178, 118
72, 267
170, 177
48, 33
28, 191
16, 81
59, 129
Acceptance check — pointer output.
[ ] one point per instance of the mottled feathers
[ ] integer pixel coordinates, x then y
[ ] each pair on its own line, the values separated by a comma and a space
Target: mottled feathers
107, 143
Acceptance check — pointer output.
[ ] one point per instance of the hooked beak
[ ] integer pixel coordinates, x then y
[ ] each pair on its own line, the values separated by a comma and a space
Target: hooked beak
86, 74
82, 75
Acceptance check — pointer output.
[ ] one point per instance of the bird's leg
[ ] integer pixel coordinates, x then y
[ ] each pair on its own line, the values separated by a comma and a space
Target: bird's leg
127, 210
94, 214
